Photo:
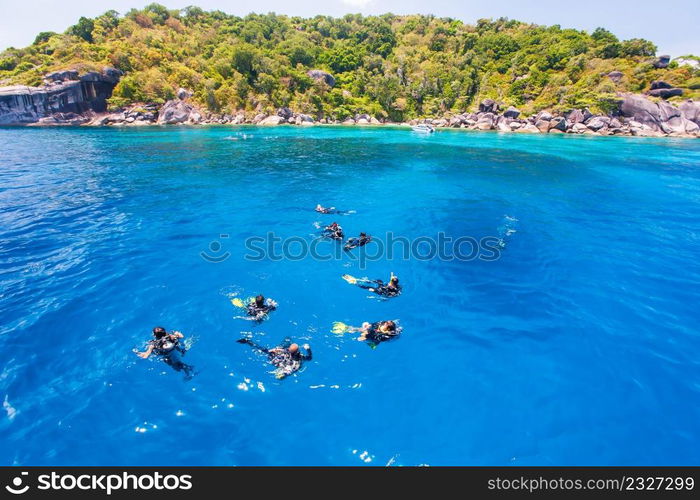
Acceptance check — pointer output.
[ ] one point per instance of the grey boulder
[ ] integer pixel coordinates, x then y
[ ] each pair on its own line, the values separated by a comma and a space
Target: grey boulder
318, 74
177, 111
511, 112
575, 116
285, 113
662, 61
665, 93
183, 94
690, 110
485, 121
271, 120
488, 106
559, 123
598, 122
660, 84
616, 76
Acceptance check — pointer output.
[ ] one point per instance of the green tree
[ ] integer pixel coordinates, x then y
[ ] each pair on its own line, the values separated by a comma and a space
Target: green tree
83, 29
44, 36
342, 57
637, 47
157, 12
299, 50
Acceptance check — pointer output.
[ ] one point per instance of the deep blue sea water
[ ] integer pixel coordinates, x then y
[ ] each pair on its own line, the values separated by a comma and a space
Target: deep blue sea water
579, 344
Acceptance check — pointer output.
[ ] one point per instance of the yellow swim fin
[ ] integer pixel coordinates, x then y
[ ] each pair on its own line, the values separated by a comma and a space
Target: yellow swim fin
237, 302
350, 279
339, 327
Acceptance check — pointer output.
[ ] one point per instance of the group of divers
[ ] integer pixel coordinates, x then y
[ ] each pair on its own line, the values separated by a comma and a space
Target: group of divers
287, 358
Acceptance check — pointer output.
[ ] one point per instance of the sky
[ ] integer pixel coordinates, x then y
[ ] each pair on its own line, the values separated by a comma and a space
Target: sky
672, 25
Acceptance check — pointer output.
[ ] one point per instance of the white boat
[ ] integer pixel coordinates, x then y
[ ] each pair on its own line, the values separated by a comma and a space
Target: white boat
423, 128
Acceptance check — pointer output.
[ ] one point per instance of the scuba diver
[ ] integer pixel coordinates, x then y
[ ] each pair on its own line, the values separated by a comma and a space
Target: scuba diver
372, 333
332, 210
362, 240
325, 210
286, 358
257, 308
388, 290
333, 231
260, 307
167, 347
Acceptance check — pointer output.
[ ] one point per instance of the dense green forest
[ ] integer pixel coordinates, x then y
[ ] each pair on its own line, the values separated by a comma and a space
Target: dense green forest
395, 67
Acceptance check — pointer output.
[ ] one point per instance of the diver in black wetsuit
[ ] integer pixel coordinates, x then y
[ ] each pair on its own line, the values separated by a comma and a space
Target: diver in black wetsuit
332, 210
258, 308
324, 210
333, 231
375, 333
287, 359
381, 331
167, 346
388, 290
362, 240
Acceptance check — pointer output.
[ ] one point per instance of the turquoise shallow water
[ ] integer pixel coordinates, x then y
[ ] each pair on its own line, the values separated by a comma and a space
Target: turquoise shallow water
577, 345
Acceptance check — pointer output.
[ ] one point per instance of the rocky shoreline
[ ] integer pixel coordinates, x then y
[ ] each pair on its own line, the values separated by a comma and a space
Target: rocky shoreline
638, 116
67, 99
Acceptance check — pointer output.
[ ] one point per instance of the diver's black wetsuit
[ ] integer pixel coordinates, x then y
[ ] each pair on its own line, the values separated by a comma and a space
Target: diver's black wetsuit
259, 311
357, 242
333, 211
168, 349
285, 361
333, 232
167, 345
375, 336
381, 288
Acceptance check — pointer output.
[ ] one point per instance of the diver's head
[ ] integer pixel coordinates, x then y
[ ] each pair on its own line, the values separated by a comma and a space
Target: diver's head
259, 301
363, 235
390, 325
394, 280
293, 348
159, 332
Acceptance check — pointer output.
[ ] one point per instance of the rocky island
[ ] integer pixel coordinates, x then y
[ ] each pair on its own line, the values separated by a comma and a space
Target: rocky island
272, 70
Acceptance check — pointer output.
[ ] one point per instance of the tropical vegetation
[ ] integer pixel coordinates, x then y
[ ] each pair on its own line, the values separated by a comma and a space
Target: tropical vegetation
390, 66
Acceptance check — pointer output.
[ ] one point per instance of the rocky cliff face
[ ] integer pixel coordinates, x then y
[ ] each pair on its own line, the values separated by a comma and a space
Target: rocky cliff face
65, 97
